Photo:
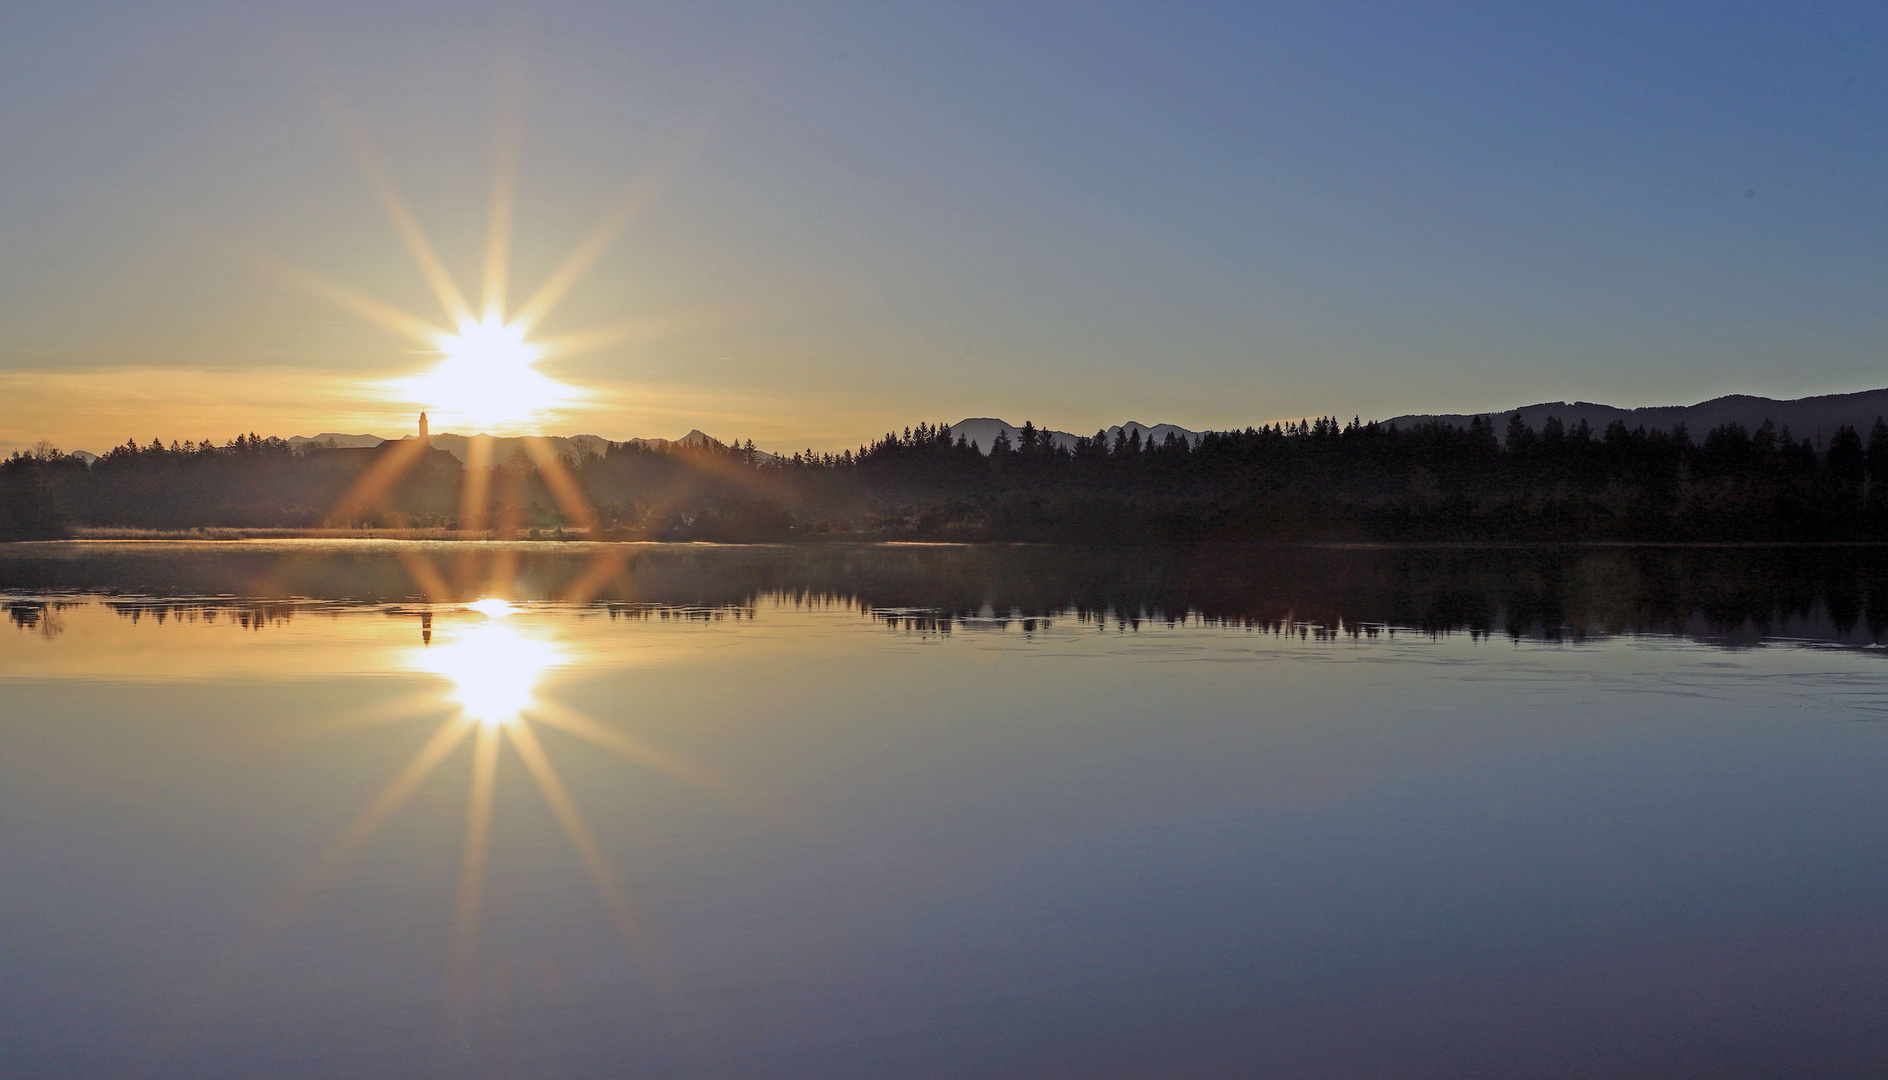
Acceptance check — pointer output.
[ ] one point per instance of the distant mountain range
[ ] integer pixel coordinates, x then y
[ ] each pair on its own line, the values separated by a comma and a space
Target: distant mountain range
1810, 417
1807, 418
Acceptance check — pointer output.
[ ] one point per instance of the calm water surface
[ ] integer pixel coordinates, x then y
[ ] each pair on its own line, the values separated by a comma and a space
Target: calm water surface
313, 810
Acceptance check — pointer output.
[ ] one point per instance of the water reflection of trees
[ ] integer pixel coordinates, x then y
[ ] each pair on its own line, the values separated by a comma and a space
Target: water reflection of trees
1729, 595
248, 614
39, 616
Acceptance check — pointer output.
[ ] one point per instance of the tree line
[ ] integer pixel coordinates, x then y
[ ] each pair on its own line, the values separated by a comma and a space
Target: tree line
1308, 480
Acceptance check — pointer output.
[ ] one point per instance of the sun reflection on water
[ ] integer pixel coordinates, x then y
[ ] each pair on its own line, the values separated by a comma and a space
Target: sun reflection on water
496, 667
494, 670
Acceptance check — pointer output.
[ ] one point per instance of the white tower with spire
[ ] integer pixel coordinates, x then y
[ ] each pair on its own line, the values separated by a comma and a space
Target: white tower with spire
425, 438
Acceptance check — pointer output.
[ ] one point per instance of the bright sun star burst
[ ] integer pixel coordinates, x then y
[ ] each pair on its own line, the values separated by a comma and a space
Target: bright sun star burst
487, 375
487, 370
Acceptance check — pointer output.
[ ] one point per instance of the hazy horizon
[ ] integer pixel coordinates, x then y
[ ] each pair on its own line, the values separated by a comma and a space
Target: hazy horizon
726, 437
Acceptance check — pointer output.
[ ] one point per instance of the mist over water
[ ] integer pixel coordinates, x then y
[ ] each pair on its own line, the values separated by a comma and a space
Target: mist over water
303, 809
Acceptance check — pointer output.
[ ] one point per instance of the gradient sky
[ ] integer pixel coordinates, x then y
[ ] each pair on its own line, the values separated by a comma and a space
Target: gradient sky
1075, 213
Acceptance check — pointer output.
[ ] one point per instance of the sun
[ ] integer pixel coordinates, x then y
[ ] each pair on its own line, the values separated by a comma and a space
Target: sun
485, 370
489, 347
487, 376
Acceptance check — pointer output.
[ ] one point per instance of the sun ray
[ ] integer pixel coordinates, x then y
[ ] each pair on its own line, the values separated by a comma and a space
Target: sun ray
444, 739
585, 254
476, 487
564, 487
606, 565
478, 837
487, 571
662, 500
499, 225
404, 707
361, 149
507, 139
635, 750
507, 521
375, 311
503, 580
684, 1027
193, 1005
546, 298
424, 574
576, 830
583, 341
379, 479
390, 799
638, 199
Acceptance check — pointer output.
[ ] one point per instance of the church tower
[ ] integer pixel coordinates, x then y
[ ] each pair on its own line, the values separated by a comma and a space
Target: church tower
424, 437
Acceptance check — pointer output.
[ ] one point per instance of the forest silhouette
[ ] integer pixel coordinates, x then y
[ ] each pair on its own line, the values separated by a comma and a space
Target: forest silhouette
1318, 480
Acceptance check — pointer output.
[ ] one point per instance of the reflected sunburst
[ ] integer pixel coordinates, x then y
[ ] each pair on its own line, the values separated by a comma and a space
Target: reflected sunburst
493, 676
493, 669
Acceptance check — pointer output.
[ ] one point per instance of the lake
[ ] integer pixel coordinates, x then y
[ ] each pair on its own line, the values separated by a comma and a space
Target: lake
366, 809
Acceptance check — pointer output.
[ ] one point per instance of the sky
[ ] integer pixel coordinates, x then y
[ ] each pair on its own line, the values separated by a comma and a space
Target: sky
840, 219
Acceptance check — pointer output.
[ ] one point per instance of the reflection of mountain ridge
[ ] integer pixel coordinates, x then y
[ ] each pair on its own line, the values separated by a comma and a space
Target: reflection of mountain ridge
1728, 596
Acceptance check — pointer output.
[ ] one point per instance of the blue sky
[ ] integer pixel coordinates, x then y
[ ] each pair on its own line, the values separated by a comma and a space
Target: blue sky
1080, 214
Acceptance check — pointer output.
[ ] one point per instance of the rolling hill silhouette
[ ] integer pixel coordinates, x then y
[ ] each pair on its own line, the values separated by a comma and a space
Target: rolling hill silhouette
1811, 417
